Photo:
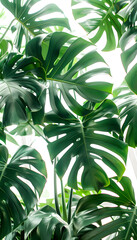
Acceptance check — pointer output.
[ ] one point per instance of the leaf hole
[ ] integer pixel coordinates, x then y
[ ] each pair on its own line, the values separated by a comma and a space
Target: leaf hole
107, 5
36, 30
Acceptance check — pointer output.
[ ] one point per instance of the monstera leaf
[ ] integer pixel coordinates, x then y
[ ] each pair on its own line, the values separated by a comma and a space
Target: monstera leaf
128, 57
46, 222
128, 52
98, 17
127, 104
17, 173
64, 71
17, 90
112, 214
30, 23
89, 142
128, 10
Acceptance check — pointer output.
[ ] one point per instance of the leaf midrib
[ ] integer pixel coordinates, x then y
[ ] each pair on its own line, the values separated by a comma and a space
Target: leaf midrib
85, 145
3, 171
74, 83
16, 87
130, 225
108, 11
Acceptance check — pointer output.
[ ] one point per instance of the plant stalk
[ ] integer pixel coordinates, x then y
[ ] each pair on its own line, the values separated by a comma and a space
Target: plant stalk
45, 138
7, 29
55, 191
70, 205
63, 202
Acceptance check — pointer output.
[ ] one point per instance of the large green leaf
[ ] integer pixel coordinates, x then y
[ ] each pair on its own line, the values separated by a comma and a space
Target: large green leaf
17, 90
64, 63
17, 173
45, 222
129, 51
111, 214
128, 11
127, 104
89, 142
128, 45
31, 23
98, 17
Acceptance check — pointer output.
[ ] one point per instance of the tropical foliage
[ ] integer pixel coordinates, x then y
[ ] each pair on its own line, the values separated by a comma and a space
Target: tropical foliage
57, 86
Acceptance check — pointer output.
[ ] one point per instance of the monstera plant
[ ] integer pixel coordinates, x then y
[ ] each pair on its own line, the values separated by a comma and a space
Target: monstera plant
57, 86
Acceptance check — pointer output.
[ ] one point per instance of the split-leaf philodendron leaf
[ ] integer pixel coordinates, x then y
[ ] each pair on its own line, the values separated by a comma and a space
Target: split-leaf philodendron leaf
98, 16
128, 52
128, 11
30, 23
64, 62
90, 220
88, 141
126, 101
46, 222
17, 173
17, 90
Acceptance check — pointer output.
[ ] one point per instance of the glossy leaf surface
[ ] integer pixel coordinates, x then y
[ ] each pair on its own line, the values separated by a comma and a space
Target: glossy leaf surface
65, 69
3, 47
90, 143
29, 22
128, 45
128, 10
127, 104
18, 174
45, 222
98, 17
17, 90
118, 205
128, 52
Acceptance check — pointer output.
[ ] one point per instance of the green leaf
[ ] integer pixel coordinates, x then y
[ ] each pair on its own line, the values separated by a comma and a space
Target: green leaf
120, 5
128, 10
31, 23
131, 78
14, 173
80, 140
45, 222
61, 77
17, 90
104, 20
22, 130
117, 205
129, 53
38, 117
11, 139
2, 133
127, 105
3, 47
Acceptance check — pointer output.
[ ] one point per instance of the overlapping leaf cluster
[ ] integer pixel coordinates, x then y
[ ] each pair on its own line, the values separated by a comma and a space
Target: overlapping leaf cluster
56, 87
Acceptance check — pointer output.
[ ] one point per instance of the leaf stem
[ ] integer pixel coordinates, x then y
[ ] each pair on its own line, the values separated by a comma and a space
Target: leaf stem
63, 202
7, 29
55, 191
45, 138
69, 205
